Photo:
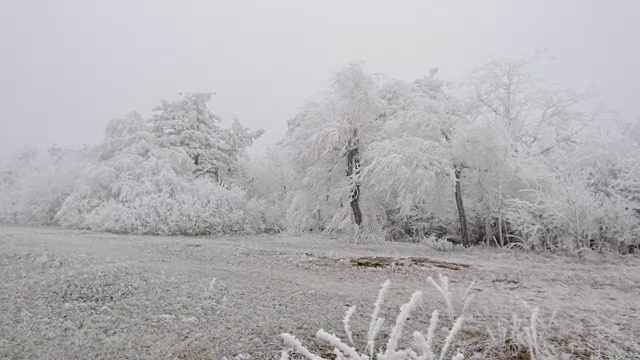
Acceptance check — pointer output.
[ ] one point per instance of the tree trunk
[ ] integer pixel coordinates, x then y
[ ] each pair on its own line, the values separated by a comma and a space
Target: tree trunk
355, 205
466, 241
216, 173
488, 229
500, 230
353, 171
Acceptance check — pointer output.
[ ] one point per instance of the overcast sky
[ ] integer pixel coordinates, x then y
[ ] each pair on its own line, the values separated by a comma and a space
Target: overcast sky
67, 67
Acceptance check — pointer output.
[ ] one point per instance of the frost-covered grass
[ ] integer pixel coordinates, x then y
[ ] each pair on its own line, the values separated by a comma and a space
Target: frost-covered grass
520, 339
70, 294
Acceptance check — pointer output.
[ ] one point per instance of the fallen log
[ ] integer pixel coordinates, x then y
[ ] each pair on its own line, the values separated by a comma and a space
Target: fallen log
385, 262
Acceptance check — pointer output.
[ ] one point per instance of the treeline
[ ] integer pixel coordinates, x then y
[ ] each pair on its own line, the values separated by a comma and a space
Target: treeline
502, 158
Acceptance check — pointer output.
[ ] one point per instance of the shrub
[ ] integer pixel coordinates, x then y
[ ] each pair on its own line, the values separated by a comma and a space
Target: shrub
568, 214
188, 208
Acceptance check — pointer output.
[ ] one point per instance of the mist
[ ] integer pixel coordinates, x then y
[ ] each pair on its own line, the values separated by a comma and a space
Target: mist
70, 66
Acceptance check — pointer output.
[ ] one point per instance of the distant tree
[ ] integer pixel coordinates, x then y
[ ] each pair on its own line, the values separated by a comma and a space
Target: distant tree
269, 173
140, 178
129, 158
190, 125
535, 122
538, 116
38, 182
142, 184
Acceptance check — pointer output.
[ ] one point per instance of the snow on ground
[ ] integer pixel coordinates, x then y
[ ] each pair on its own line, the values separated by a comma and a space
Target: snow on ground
72, 294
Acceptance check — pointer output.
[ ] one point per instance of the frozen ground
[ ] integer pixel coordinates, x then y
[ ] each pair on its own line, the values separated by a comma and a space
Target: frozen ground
80, 295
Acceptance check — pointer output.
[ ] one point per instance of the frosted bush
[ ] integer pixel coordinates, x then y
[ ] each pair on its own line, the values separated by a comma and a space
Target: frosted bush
197, 208
522, 338
419, 224
568, 214
266, 216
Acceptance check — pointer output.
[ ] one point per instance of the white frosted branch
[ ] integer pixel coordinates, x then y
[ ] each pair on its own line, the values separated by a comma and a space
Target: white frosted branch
396, 333
296, 345
340, 345
376, 322
346, 320
449, 340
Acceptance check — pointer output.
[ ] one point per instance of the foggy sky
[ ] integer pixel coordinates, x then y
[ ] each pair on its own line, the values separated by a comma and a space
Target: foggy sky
67, 67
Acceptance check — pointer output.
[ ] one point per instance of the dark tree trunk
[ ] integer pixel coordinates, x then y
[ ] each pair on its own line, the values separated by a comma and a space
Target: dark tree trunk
355, 206
466, 241
216, 173
353, 171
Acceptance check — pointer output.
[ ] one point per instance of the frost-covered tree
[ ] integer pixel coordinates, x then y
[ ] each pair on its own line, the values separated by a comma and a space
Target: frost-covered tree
538, 116
269, 174
144, 183
268, 184
140, 178
190, 125
493, 139
325, 141
540, 172
587, 198
415, 156
129, 157
529, 122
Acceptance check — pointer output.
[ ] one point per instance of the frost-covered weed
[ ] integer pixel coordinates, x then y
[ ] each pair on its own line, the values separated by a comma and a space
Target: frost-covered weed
521, 337
424, 346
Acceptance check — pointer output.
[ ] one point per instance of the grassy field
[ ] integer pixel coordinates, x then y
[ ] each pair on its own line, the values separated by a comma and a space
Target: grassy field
81, 295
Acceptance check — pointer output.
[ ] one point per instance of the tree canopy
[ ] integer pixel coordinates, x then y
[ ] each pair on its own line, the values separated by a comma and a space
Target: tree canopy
500, 157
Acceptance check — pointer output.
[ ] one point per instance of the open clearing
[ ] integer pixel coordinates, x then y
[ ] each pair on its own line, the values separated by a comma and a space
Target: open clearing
82, 295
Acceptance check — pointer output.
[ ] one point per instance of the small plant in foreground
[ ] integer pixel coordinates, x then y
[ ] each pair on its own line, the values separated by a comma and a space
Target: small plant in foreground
521, 338
423, 344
